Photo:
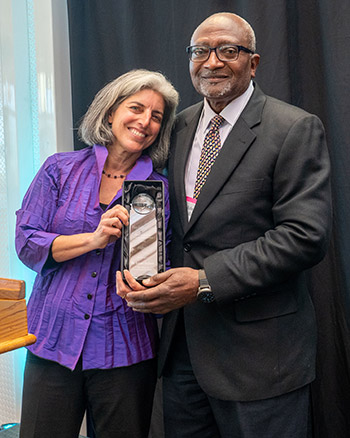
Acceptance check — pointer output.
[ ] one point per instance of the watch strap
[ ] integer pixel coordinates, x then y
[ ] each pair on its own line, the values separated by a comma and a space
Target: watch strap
203, 281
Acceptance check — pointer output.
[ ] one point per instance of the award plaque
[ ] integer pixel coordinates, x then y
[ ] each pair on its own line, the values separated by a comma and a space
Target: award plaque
143, 240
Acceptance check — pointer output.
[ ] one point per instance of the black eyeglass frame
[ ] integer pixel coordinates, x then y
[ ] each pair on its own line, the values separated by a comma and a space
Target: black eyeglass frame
211, 49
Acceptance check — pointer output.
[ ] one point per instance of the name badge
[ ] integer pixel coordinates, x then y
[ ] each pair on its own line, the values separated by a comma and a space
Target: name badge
191, 203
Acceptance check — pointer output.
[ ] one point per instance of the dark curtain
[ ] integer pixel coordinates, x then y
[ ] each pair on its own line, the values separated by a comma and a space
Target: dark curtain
304, 48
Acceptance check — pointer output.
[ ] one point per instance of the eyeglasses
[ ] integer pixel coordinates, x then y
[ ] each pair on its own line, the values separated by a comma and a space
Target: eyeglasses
224, 53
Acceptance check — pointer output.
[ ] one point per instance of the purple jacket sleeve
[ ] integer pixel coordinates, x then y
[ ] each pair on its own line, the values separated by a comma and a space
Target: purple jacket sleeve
33, 234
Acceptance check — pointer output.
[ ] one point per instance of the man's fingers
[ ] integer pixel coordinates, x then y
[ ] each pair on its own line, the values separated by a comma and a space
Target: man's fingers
142, 295
156, 279
144, 307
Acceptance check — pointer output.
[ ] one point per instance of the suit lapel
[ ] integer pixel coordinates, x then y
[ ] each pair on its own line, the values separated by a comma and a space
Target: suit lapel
184, 139
237, 143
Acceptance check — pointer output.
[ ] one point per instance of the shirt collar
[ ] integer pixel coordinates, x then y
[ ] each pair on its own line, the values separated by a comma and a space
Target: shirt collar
231, 112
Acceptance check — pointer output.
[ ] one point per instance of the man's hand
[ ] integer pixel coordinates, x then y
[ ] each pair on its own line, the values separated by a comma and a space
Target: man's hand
165, 292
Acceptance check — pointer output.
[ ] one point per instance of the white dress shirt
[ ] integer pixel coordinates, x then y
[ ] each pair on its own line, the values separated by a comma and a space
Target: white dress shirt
230, 113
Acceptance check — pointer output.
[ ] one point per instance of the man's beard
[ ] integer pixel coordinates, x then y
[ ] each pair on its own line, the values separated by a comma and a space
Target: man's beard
209, 91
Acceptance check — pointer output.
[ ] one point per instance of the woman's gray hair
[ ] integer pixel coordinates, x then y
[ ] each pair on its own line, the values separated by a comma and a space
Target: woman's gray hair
95, 128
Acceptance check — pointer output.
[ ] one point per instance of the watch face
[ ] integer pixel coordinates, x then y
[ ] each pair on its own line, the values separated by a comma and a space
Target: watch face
206, 296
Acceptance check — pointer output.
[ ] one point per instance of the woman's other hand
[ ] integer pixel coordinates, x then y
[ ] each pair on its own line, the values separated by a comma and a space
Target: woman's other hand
129, 285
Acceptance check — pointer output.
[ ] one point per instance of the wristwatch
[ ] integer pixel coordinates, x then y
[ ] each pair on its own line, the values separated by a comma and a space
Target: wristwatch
204, 294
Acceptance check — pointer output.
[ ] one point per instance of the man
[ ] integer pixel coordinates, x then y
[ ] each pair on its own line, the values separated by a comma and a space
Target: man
238, 343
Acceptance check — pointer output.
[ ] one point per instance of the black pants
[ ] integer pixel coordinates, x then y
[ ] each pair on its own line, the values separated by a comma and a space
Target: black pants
119, 400
190, 413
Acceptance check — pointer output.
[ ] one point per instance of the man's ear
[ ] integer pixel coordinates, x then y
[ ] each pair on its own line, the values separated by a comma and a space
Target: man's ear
254, 62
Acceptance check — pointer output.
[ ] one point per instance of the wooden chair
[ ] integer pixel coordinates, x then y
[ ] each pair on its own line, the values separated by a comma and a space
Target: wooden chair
13, 316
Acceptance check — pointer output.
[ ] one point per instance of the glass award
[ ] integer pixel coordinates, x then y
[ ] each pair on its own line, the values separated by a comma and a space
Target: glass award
143, 240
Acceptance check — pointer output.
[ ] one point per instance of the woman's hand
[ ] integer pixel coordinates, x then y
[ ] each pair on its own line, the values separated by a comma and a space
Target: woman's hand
110, 227
129, 285
108, 230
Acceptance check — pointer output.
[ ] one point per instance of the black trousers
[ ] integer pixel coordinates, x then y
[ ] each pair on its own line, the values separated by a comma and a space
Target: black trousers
190, 413
119, 400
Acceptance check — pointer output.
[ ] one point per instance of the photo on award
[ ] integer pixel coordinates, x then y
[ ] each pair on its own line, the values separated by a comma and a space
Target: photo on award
143, 240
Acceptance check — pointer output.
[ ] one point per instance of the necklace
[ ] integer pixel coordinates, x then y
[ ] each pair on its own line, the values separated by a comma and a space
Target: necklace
108, 175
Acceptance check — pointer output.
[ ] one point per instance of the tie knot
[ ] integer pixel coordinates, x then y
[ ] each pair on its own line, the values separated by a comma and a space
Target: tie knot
216, 121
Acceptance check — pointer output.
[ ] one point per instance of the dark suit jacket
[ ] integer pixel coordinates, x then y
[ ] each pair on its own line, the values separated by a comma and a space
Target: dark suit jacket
262, 219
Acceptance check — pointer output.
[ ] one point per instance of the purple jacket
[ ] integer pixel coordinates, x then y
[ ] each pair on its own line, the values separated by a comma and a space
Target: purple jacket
74, 309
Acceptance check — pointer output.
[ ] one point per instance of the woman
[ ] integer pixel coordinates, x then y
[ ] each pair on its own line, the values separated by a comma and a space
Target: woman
92, 351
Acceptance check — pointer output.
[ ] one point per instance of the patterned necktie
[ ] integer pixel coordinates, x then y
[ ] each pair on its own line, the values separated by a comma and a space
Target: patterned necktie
210, 150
